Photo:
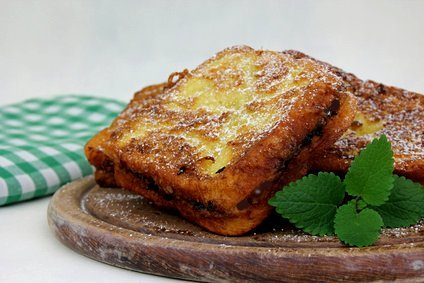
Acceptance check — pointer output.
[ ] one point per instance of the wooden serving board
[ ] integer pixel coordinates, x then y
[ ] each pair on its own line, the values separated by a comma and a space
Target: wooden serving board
123, 229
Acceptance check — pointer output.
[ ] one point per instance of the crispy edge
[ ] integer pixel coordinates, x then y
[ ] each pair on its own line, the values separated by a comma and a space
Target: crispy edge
94, 148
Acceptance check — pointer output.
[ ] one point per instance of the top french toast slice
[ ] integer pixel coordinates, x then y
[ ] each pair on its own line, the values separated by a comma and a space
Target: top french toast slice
217, 134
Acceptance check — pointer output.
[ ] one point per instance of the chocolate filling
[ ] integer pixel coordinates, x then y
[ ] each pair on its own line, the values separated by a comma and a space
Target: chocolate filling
220, 170
197, 205
181, 170
210, 206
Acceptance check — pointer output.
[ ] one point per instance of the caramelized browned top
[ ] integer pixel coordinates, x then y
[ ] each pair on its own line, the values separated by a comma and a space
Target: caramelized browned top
210, 116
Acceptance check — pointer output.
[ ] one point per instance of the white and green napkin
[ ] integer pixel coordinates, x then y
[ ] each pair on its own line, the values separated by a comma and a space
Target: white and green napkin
42, 143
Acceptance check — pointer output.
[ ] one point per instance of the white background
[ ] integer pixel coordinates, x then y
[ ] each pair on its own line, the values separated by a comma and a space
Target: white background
113, 48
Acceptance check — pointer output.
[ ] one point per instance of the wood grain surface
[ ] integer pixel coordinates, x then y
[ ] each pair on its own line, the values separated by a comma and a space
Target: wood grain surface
123, 229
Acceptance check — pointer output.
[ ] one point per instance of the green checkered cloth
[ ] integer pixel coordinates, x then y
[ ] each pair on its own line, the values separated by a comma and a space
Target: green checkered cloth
42, 143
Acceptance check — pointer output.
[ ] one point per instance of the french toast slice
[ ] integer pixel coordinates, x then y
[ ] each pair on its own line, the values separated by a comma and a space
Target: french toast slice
250, 212
216, 142
394, 112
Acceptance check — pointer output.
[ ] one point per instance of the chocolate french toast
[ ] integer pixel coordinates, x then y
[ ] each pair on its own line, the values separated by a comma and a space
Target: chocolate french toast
217, 142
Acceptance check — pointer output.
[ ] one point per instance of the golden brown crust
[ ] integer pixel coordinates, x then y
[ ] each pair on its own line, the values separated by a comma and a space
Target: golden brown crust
152, 144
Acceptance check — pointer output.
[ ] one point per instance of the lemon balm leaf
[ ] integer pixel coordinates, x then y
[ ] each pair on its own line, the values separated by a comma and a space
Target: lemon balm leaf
311, 202
405, 206
370, 175
357, 228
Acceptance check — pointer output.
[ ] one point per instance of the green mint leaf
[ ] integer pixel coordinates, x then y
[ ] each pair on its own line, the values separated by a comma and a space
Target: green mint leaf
311, 202
360, 204
370, 175
357, 229
405, 205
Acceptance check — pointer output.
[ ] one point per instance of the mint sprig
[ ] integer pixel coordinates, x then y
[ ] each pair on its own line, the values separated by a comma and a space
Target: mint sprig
370, 175
375, 196
314, 206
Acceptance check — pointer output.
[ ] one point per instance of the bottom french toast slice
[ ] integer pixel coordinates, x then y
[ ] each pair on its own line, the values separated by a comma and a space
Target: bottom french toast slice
394, 112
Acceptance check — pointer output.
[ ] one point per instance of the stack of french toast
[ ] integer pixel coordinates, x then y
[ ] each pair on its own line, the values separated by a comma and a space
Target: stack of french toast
217, 142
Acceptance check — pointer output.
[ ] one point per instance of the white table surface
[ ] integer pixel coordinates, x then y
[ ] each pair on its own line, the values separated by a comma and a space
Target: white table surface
113, 48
